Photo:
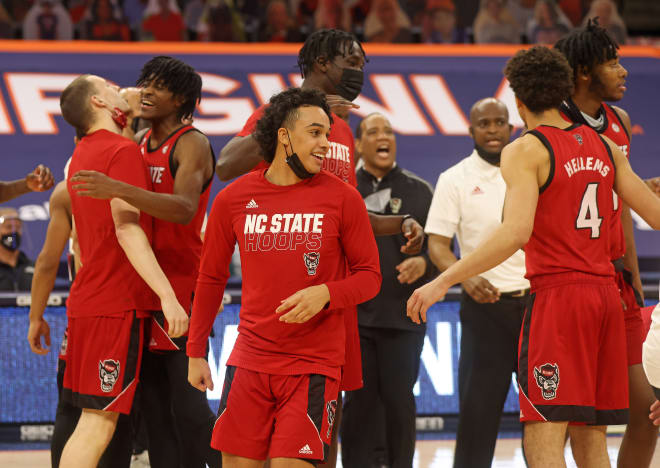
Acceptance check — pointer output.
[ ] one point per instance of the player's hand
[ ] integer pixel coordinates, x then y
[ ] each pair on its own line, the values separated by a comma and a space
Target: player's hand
414, 232
339, 105
199, 374
411, 269
655, 413
95, 185
654, 184
40, 180
481, 290
304, 304
39, 328
425, 297
177, 319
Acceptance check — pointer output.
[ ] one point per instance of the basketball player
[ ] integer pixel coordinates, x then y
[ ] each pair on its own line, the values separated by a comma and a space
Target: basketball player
110, 296
598, 77
39, 180
559, 207
181, 164
330, 61
308, 256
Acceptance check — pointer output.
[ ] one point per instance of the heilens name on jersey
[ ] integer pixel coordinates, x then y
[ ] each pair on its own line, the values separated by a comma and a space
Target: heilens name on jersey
580, 163
283, 231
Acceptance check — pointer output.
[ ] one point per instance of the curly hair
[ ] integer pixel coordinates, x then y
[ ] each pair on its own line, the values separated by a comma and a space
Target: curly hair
586, 48
283, 112
179, 78
326, 43
540, 77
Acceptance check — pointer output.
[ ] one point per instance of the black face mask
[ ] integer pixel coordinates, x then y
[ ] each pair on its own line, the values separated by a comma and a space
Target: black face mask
350, 84
295, 163
488, 156
11, 241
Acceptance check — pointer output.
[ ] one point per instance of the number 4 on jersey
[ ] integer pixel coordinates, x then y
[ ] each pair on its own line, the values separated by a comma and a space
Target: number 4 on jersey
588, 216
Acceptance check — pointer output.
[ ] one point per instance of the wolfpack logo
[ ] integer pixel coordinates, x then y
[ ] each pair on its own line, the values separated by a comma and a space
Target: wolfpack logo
156, 174
395, 205
615, 127
165, 148
108, 373
578, 137
547, 378
331, 409
311, 262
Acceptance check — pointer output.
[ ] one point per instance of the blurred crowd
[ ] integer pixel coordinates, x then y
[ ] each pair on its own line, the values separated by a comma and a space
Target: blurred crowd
385, 21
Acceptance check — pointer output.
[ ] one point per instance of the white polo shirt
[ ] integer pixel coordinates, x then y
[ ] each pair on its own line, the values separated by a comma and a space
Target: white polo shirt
468, 202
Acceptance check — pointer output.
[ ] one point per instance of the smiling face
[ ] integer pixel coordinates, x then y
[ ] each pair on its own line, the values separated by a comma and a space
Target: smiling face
308, 138
489, 125
377, 145
608, 80
157, 101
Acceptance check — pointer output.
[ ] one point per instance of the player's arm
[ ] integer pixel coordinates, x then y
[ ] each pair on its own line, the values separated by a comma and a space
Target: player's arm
219, 242
178, 207
39, 180
388, 225
632, 190
520, 166
46, 266
135, 244
363, 281
238, 157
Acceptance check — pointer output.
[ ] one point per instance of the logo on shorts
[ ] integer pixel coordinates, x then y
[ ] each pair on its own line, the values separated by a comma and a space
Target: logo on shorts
311, 262
578, 137
108, 373
306, 450
547, 378
331, 409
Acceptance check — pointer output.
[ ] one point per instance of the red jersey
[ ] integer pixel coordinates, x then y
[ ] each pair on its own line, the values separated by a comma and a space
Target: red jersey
614, 129
340, 159
178, 247
290, 237
571, 226
106, 283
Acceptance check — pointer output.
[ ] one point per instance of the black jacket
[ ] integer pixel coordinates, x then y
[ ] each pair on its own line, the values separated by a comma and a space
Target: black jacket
18, 278
400, 192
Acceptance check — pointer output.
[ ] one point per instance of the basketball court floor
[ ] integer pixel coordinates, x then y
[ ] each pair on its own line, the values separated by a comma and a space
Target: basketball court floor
429, 454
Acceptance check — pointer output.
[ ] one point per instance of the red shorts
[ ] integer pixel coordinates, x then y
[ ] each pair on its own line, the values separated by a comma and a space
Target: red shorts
156, 329
103, 362
352, 370
634, 326
571, 366
267, 416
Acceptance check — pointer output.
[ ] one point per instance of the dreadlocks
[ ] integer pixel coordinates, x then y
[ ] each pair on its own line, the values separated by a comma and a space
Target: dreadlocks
180, 79
327, 44
588, 47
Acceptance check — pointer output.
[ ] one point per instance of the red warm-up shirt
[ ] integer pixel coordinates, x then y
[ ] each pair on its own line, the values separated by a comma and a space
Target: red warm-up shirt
290, 237
340, 159
107, 283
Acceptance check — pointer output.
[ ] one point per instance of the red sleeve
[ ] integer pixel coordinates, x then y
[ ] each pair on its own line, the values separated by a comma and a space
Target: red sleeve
219, 242
128, 166
251, 123
359, 244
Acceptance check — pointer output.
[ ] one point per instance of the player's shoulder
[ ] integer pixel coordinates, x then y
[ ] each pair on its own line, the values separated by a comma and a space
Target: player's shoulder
60, 195
623, 116
530, 148
194, 136
330, 181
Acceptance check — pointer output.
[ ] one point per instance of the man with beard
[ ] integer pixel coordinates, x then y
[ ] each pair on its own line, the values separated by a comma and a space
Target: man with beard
468, 203
599, 77
180, 161
330, 61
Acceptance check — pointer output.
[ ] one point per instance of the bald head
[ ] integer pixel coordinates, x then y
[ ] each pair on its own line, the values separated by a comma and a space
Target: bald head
9, 221
489, 124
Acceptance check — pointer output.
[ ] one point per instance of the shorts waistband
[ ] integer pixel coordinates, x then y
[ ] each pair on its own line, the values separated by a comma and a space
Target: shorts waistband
544, 281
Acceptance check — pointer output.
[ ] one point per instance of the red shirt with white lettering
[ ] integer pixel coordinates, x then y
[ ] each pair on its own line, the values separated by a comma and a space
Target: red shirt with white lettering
107, 283
289, 237
572, 222
177, 247
340, 159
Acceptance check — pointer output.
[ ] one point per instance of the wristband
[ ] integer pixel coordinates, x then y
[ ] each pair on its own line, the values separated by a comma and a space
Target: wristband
406, 216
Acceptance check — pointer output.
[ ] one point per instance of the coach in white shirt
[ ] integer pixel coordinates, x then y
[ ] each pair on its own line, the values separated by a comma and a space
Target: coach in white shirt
467, 203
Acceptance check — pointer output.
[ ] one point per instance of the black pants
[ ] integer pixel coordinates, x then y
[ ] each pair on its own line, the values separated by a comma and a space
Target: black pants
174, 410
119, 450
489, 356
390, 365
